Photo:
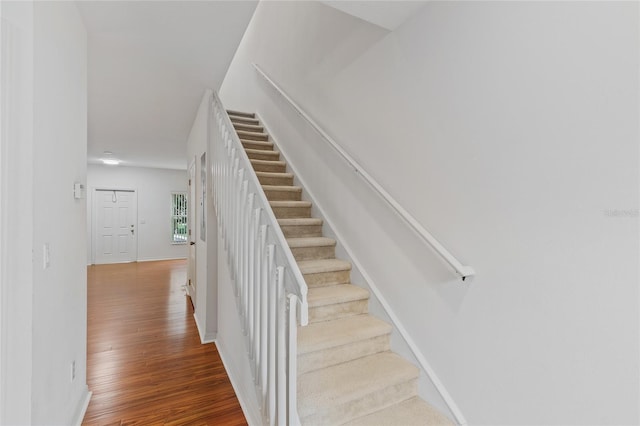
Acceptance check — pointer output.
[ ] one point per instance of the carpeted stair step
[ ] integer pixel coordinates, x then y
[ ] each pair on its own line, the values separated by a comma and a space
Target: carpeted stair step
254, 136
336, 301
260, 154
269, 166
312, 248
289, 209
282, 193
326, 272
244, 120
301, 227
328, 343
241, 114
354, 389
248, 127
258, 145
272, 178
413, 412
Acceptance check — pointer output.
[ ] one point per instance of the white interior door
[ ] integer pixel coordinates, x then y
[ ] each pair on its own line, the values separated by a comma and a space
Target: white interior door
191, 270
115, 237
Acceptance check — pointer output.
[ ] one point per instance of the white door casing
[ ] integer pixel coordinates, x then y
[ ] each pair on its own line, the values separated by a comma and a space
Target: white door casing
115, 233
191, 270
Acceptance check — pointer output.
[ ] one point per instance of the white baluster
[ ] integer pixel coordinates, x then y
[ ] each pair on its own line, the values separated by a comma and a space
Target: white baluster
244, 240
281, 348
249, 240
264, 314
271, 338
242, 281
292, 357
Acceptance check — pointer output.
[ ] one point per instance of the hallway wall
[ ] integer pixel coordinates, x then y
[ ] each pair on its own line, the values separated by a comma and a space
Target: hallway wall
510, 131
43, 153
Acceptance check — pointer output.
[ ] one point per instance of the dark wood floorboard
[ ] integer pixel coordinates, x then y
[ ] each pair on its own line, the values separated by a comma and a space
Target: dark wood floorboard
145, 362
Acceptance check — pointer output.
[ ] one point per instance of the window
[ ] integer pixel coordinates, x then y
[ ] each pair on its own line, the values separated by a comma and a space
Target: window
179, 217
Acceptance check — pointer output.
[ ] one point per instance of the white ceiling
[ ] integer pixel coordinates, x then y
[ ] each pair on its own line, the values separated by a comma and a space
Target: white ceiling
389, 14
149, 64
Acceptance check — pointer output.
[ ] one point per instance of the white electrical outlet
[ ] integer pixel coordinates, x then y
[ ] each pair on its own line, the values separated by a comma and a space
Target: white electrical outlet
45, 256
73, 370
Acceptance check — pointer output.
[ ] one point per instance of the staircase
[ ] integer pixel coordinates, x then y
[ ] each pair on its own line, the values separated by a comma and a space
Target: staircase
346, 371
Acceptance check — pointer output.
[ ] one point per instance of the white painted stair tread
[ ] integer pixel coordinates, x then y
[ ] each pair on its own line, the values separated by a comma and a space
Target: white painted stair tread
321, 296
413, 412
311, 242
299, 221
330, 334
321, 389
323, 265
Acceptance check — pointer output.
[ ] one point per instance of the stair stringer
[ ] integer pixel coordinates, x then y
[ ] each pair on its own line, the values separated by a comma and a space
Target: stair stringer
430, 388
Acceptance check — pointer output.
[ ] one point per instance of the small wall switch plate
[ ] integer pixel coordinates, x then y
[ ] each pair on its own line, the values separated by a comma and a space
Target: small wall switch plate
78, 190
45, 256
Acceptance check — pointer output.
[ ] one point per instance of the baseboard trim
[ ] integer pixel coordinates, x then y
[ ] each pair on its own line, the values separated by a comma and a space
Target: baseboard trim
163, 258
420, 358
83, 409
252, 417
205, 337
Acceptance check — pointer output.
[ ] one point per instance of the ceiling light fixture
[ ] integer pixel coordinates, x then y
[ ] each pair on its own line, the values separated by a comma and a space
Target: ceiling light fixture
111, 162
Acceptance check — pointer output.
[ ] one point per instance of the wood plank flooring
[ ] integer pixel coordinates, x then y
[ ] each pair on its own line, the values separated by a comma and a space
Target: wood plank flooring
145, 362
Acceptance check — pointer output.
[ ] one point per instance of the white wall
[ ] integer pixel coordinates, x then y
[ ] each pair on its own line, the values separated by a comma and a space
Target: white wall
509, 130
16, 211
206, 303
44, 329
154, 188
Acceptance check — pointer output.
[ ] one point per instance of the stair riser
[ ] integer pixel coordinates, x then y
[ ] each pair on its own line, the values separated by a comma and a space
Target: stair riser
333, 356
291, 212
279, 195
261, 147
314, 253
341, 413
241, 114
337, 310
253, 136
243, 120
272, 168
264, 155
248, 127
276, 180
324, 279
299, 231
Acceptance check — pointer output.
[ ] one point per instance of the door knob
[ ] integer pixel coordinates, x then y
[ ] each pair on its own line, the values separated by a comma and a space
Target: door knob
192, 243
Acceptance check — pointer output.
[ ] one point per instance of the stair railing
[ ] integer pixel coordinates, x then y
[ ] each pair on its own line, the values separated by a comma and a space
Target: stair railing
270, 290
464, 271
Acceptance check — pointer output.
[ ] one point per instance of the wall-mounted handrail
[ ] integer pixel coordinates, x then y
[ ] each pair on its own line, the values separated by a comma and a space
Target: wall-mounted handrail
270, 290
464, 271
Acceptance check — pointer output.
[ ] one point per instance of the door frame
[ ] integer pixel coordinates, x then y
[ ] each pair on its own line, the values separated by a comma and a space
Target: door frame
94, 217
192, 229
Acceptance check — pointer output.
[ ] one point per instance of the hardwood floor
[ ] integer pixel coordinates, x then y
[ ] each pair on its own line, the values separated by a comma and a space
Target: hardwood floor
145, 362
